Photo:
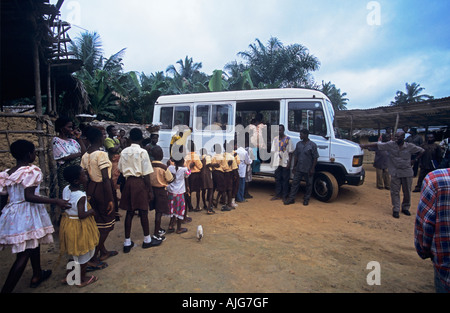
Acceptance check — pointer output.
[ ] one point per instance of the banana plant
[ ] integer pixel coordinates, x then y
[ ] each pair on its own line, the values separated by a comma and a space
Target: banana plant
103, 101
217, 83
137, 99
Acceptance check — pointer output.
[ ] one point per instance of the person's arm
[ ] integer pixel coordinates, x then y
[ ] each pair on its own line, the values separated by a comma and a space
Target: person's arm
147, 169
438, 154
313, 167
369, 145
186, 181
77, 134
295, 160
3, 201
424, 230
30, 196
315, 158
198, 163
149, 187
248, 160
289, 160
82, 213
419, 152
107, 187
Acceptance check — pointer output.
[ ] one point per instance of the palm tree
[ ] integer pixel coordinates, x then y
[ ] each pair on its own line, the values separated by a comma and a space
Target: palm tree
239, 77
412, 95
114, 65
188, 79
337, 98
276, 65
187, 68
88, 48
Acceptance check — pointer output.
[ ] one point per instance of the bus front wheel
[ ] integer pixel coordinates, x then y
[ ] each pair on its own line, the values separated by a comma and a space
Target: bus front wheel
325, 187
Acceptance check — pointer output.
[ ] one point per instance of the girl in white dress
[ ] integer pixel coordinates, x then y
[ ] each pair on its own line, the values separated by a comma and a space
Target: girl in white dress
24, 221
78, 235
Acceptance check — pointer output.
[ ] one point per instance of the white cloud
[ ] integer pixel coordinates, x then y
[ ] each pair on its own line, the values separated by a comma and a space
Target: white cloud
360, 59
375, 87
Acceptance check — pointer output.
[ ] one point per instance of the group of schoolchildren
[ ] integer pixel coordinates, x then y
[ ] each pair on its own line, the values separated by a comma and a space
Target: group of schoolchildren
89, 202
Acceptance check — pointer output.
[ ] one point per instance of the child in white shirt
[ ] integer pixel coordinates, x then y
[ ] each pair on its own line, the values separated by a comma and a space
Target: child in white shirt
176, 191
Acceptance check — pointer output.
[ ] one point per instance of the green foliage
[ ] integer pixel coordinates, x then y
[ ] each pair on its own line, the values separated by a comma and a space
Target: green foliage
130, 97
216, 83
334, 94
279, 66
412, 95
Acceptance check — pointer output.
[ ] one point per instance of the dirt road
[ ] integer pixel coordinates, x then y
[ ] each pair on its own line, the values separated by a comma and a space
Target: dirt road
264, 246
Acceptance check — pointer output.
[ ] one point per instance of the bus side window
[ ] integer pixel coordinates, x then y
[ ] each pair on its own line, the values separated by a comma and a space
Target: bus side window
307, 115
182, 116
166, 117
220, 114
202, 117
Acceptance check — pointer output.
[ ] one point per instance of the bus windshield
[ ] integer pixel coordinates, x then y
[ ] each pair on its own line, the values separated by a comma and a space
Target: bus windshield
309, 115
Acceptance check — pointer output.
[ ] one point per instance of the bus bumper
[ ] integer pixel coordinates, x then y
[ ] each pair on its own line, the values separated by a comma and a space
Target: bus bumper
356, 179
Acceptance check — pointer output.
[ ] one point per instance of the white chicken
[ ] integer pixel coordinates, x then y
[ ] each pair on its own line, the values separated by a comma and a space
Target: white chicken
199, 232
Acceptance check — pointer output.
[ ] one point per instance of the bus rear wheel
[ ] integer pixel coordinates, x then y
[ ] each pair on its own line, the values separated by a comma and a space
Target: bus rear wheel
325, 187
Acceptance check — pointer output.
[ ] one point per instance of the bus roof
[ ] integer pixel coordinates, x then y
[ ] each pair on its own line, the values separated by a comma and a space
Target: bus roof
243, 95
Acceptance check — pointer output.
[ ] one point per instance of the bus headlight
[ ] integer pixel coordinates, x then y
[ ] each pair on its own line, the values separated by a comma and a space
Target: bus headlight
357, 160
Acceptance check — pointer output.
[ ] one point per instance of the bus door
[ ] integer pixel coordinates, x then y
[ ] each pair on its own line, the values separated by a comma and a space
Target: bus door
174, 119
309, 114
213, 123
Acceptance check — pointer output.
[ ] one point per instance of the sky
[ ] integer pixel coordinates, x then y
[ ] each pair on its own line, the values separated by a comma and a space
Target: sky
368, 49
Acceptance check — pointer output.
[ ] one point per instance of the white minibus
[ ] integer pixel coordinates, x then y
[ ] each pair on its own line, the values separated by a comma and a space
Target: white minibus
216, 117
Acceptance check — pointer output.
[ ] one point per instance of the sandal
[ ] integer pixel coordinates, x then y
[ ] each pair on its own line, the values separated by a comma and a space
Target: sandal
44, 276
211, 212
170, 230
91, 280
108, 255
99, 266
181, 230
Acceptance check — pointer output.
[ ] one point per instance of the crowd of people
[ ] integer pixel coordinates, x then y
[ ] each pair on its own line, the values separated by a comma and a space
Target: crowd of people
397, 162
400, 159
101, 171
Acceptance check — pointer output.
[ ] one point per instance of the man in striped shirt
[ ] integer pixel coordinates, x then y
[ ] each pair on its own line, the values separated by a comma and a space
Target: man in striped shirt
432, 228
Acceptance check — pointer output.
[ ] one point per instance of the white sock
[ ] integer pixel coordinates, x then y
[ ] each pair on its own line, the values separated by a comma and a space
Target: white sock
127, 242
148, 239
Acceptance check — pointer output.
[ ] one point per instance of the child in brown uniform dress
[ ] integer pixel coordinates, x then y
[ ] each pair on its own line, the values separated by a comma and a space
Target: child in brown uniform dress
207, 181
100, 190
159, 179
194, 164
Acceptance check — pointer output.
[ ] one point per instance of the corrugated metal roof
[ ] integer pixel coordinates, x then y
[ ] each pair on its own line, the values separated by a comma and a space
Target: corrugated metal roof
435, 112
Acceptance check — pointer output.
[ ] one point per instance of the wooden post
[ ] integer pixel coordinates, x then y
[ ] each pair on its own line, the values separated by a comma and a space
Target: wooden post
49, 90
396, 123
351, 127
38, 108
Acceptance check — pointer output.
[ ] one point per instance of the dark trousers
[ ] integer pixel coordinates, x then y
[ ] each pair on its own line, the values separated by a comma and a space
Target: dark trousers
423, 172
298, 177
282, 175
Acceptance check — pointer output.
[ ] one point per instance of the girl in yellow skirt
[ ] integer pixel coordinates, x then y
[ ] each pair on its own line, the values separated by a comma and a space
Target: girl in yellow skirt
78, 234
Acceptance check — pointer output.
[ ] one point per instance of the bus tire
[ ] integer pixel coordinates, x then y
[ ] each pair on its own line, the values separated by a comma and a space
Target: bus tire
325, 187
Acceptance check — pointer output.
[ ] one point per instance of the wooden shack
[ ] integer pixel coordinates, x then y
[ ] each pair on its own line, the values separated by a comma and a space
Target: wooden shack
35, 65
365, 125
